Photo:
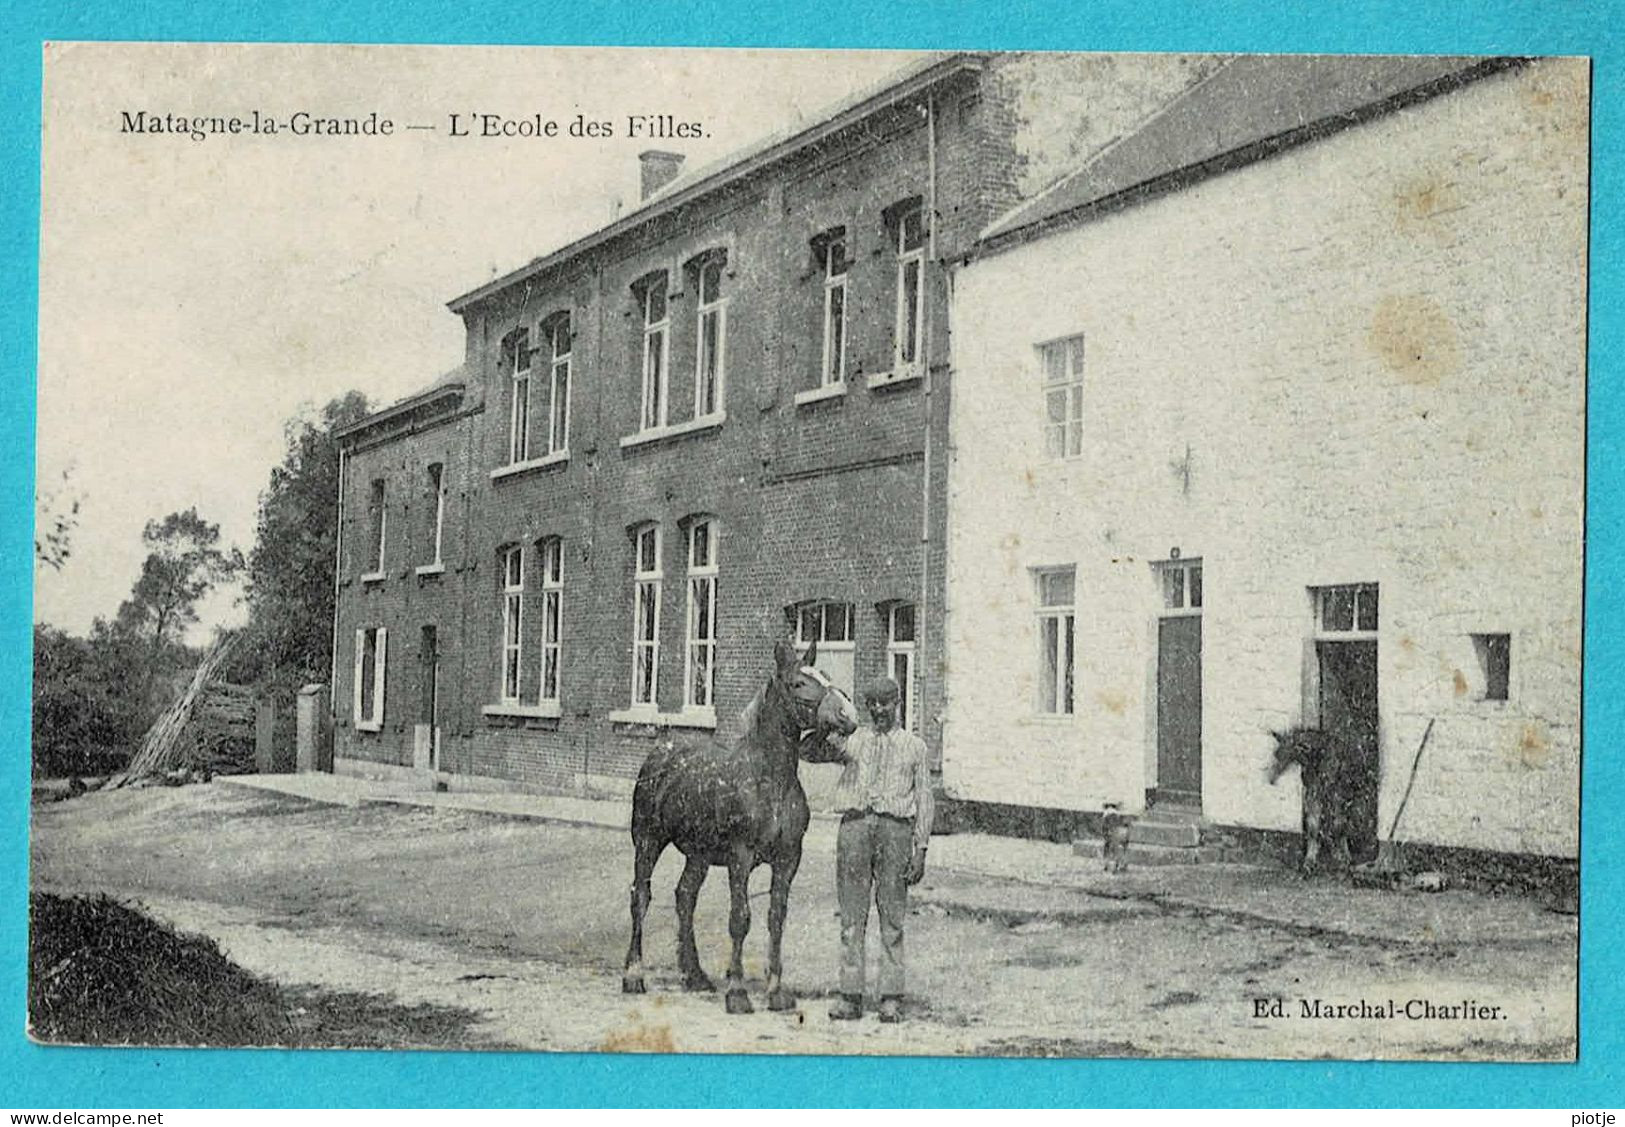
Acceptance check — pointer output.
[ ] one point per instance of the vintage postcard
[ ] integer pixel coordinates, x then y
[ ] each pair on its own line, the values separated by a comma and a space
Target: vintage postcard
810, 552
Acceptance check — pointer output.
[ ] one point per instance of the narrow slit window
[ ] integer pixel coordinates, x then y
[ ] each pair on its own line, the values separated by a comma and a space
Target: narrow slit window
1494, 664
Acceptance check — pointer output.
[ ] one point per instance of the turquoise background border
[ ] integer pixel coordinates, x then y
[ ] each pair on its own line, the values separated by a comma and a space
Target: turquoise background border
67, 1078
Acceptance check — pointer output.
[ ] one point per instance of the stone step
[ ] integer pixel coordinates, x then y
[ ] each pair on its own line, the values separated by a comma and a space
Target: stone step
1150, 856
1154, 830
1169, 812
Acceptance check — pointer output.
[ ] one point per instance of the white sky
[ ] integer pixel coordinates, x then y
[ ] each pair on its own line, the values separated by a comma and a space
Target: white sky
196, 294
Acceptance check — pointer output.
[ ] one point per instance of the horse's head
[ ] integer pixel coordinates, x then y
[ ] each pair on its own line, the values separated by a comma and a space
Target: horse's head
819, 706
1290, 748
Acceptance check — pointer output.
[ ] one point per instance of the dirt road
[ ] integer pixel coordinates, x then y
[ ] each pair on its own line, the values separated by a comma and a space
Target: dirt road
524, 923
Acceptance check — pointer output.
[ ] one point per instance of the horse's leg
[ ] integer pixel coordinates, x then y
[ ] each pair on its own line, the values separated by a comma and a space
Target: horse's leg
1313, 824
688, 893
647, 851
784, 872
739, 862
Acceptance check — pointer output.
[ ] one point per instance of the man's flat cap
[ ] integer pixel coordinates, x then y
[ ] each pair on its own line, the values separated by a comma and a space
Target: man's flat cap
883, 690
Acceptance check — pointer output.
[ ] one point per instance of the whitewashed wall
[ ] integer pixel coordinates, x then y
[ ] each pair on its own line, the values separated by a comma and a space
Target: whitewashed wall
1373, 348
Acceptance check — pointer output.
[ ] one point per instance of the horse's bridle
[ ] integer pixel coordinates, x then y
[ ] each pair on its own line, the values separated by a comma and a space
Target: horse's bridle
806, 708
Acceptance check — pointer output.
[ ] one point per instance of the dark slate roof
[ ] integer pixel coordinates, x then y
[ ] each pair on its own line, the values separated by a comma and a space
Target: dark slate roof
1249, 108
917, 76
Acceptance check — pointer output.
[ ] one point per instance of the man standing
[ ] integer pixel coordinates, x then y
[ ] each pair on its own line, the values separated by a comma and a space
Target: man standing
884, 796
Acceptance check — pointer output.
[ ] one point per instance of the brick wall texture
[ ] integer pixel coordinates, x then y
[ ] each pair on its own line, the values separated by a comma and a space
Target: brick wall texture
1267, 320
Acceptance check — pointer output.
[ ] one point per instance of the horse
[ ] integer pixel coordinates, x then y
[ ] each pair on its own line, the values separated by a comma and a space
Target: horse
738, 805
1334, 786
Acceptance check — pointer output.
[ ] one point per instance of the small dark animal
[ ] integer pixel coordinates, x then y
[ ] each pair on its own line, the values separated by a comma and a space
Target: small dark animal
1334, 788
738, 805
1114, 827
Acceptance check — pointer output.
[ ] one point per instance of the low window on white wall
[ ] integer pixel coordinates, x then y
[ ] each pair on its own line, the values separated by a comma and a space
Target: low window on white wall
1057, 631
1494, 652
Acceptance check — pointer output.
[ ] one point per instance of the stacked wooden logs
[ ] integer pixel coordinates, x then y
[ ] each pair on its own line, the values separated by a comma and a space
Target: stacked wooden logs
171, 749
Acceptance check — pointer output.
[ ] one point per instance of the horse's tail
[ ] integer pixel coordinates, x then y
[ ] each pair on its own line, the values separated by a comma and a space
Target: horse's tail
653, 778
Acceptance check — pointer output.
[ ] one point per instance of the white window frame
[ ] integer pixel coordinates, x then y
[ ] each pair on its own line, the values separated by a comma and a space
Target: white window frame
437, 482
1360, 592
379, 636
551, 552
844, 651
1061, 362
1057, 699
833, 373
519, 398
646, 592
558, 402
711, 320
907, 257
1176, 600
656, 359
702, 597
902, 654
513, 625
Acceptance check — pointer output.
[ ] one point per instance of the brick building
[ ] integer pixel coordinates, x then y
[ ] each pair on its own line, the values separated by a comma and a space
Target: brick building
1273, 413
716, 421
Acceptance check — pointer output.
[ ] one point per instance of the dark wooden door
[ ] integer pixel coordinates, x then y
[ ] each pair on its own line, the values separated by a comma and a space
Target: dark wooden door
429, 657
1348, 710
1179, 710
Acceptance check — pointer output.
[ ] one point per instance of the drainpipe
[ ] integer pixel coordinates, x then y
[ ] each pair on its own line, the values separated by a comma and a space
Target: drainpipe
338, 571
921, 618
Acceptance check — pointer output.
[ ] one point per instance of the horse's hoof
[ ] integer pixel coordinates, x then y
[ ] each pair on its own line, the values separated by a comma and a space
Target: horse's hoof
633, 986
699, 984
781, 1000
738, 1002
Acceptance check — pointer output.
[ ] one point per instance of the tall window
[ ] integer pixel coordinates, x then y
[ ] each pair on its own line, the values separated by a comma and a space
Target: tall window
371, 654
701, 661
437, 511
835, 265
1062, 361
379, 519
656, 344
900, 658
711, 333
558, 399
519, 408
910, 282
552, 616
1056, 632
830, 625
646, 616
513, 622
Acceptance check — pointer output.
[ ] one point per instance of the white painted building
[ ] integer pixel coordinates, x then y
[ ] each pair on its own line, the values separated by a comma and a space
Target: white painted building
1273, 413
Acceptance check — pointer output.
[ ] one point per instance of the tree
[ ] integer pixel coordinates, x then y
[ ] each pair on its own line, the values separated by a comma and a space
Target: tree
56, 515
89, 712
291, 567
184, 563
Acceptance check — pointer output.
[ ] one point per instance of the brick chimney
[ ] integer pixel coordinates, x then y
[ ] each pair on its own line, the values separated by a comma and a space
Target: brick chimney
658, 169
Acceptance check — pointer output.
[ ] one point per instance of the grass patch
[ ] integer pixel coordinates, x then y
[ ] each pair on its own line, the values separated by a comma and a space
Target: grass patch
100, 973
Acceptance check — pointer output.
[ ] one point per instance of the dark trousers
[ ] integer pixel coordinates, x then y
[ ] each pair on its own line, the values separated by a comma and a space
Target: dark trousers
872, 855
